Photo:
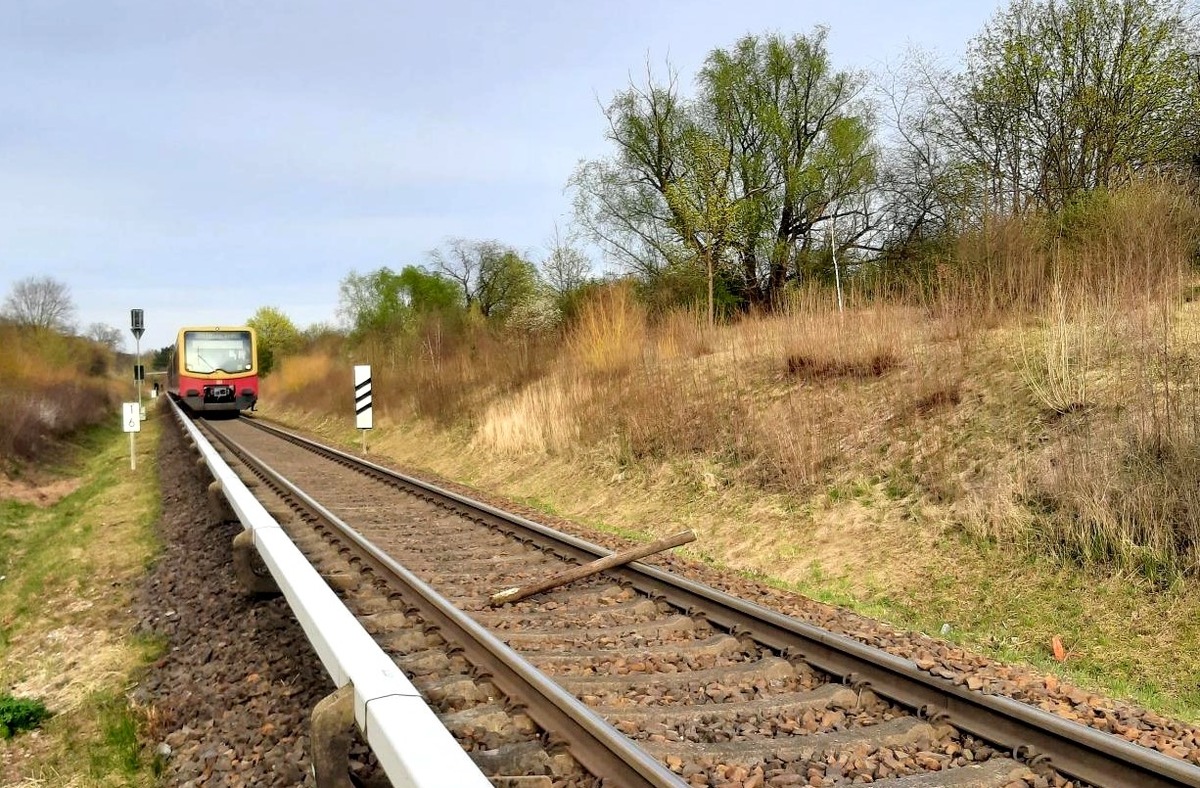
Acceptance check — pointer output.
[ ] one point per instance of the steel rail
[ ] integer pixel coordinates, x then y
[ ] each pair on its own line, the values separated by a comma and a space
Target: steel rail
1031, 734
412, 746
591, 740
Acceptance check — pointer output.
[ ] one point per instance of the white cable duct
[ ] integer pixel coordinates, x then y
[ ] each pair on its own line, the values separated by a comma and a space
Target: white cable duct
411, 744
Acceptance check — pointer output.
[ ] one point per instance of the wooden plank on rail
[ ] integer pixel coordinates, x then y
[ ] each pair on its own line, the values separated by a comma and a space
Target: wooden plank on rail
587, 570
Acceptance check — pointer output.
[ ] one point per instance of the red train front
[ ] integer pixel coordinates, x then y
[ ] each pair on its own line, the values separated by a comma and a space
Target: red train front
215, 369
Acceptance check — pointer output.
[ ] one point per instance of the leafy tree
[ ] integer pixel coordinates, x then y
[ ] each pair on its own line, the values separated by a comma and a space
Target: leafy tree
800, 143
704, 206
161, 358
371, 302
277, 336
492, 277
40, 302
742, 180
384, 302
426, 292
1059, 98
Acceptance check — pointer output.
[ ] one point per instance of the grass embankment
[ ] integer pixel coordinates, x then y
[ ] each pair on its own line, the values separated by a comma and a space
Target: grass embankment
54, 385
70, 563
1011, 452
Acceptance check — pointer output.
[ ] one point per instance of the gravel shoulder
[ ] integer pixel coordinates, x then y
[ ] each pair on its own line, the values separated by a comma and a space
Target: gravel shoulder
229, 702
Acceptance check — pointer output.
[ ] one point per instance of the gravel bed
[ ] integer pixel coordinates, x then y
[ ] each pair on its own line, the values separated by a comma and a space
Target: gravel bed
229, 702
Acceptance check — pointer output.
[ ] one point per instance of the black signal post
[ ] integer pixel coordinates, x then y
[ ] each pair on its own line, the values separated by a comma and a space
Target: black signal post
137, 327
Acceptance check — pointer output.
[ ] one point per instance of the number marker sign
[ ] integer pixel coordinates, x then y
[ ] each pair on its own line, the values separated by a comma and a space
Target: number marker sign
131, 420
131, 416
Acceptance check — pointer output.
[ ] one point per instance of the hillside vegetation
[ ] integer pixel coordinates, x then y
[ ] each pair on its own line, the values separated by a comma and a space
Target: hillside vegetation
1042, 390
53, 385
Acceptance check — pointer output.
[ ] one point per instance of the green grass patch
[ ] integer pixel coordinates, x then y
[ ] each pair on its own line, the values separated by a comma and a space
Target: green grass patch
117, 750
70, 570
46, 548
541, 504
1009, 607
1125, 637
632, 534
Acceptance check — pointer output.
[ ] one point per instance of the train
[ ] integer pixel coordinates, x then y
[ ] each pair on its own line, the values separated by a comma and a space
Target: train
214, 369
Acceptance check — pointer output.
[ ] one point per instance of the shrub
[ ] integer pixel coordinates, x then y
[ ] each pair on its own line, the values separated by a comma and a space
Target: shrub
610, 331
20, 714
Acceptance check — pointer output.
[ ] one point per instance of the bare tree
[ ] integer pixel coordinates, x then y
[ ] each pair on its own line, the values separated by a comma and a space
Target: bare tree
566, 267
461, 262
924, 191
492, 276
112, 338
40, 302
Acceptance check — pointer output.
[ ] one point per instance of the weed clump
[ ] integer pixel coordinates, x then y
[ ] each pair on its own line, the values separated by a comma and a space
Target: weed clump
20, 714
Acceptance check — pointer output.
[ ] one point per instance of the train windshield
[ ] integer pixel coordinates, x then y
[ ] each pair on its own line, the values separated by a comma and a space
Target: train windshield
212, 351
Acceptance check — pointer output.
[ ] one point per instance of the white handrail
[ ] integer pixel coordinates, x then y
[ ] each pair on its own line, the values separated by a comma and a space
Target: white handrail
411, 744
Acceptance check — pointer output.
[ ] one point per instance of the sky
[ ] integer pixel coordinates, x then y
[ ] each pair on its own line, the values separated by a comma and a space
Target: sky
200, 159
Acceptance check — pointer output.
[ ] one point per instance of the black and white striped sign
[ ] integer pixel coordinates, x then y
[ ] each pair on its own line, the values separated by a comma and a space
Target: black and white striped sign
362, 396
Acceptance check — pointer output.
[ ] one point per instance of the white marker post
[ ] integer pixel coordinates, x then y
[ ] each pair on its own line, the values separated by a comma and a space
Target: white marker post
131, 419
363, 404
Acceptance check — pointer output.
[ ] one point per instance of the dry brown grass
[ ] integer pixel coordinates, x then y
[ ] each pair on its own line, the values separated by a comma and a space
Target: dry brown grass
682, 334
319, 381
1119, 477
545, 417
53, 385
610, 332
1057, 356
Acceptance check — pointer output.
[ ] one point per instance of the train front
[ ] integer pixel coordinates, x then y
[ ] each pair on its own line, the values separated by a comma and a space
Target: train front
217, 369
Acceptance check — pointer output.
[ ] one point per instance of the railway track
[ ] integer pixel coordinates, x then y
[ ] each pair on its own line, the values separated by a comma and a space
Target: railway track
637, 676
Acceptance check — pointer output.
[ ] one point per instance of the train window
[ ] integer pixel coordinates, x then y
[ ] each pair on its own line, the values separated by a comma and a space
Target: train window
212, 351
